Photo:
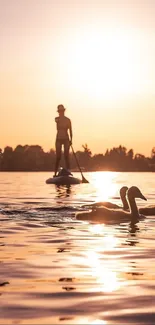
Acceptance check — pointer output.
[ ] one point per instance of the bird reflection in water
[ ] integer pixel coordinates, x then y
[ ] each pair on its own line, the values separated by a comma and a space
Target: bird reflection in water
133, 229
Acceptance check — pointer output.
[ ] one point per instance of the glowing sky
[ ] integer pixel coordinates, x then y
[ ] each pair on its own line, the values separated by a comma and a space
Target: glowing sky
95, 57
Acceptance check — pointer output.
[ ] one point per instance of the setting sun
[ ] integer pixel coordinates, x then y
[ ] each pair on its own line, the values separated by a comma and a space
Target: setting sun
95, 58
104, 62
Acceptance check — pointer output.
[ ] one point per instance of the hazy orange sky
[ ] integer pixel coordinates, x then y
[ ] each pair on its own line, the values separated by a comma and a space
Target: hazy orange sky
95, 57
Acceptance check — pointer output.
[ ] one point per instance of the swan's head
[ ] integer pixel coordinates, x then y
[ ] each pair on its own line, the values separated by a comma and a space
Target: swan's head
123, 191
134, 192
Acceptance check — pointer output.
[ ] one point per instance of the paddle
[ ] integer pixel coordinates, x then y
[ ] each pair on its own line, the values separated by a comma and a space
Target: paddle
84, 180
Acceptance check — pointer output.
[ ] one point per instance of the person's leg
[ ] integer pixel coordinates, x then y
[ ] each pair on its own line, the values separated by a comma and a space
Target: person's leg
66, 153
58, 146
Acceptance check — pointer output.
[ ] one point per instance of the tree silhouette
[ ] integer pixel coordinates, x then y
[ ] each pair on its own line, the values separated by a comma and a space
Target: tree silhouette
87, 151
1, 156
6, 163
33, 158
153, 155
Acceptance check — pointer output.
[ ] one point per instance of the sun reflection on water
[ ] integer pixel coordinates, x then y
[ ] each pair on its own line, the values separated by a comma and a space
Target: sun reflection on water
96, 229
109, 241
106, 279
105, 185
98, 322
89, 321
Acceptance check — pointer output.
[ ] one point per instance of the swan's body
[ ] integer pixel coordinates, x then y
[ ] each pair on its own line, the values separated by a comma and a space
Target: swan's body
102, 214
148, 210
109, 205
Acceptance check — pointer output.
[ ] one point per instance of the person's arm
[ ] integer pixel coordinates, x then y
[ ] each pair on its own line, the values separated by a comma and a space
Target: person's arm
70, 131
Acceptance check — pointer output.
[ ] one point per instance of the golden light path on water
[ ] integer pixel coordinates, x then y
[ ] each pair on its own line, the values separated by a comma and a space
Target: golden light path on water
104, 275
102, 272
93, 322
59, 270
105, 185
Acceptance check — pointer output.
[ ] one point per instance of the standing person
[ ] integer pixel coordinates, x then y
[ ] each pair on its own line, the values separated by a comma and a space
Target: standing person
62, 137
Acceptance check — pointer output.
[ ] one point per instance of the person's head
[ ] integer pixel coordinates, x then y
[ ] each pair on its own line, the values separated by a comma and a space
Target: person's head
61, 109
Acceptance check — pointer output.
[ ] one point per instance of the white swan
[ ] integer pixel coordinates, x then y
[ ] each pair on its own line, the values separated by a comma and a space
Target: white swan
148, 210
110, 205
103, 214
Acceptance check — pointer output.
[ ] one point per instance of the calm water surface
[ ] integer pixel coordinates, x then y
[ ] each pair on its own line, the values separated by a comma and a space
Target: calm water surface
57, 270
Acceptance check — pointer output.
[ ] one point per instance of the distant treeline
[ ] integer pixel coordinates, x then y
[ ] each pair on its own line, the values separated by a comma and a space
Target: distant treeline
34, 158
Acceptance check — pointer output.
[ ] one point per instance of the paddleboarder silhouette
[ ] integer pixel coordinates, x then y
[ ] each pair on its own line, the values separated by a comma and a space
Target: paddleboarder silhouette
63, 138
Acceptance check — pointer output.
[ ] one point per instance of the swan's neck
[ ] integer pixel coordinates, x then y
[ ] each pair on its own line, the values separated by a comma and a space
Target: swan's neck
133, 207
124, 202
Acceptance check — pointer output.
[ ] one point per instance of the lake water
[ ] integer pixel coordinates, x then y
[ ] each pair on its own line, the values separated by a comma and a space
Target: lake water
57, 270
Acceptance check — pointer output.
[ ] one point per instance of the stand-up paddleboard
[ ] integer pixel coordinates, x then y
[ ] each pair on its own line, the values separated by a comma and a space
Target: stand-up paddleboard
63, 180
64, 177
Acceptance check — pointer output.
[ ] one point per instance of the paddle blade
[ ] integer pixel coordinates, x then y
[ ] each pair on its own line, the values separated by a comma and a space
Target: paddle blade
84, 180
